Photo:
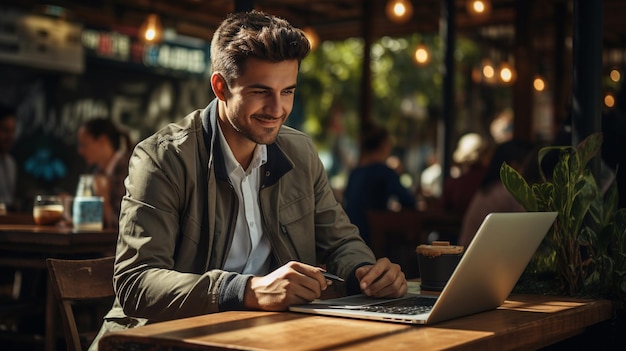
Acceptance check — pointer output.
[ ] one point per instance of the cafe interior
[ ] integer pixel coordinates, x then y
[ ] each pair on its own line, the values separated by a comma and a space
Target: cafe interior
539, 67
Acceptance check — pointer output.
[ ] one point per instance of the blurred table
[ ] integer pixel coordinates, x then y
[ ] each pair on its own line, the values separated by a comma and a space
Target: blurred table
523, 322
17, 218
396, 234
28, 246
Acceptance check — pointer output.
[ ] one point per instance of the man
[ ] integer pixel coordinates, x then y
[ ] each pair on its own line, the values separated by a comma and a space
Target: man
372, 184
229, 209
8, 170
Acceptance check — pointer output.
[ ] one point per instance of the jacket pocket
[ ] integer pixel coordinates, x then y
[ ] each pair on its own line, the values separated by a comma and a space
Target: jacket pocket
297, 228
293, 211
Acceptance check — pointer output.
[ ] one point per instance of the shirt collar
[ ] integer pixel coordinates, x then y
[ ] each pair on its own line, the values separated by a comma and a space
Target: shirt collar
259, 157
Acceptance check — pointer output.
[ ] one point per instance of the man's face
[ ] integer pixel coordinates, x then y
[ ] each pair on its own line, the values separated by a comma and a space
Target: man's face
259, 101
7, 134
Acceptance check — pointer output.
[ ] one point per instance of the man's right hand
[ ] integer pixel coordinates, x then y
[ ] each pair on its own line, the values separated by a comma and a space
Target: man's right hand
294, 283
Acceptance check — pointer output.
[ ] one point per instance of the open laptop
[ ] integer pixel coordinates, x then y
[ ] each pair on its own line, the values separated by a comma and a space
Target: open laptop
483, 279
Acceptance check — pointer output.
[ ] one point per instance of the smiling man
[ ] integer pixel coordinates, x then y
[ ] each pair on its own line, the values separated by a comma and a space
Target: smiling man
230, 209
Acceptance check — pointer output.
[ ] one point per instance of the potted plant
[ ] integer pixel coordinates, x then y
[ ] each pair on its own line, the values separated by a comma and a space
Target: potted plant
586, 247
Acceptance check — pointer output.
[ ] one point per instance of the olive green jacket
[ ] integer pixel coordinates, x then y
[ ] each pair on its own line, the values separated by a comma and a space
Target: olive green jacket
178, 216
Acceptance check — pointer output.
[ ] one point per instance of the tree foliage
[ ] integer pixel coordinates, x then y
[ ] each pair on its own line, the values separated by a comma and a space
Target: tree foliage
405, 95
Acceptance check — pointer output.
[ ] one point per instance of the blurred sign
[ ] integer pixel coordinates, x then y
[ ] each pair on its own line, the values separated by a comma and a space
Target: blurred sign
169, 55
41, 42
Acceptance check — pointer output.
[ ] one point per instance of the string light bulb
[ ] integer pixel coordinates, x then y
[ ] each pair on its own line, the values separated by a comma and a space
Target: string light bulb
609, 100
151, 29
312, 36
478, 8
539, 84
506, 73
488, 72
422, 56
399, 11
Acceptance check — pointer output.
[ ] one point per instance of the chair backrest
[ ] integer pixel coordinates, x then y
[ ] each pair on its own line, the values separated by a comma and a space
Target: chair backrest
396, 234
80, 281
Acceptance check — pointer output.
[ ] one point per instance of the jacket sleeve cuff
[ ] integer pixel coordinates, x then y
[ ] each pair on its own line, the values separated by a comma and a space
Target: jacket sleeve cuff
231, 292
352, 283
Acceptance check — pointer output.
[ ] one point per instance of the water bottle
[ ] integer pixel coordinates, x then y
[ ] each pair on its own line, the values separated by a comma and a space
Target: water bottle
87, 210
85, 186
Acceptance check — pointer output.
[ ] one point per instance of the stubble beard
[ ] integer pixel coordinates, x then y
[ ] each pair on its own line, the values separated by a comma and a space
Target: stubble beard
266, 137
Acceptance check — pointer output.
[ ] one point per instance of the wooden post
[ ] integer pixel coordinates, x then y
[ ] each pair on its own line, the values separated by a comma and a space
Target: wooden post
366, 73
587, 90
522, 88
447, 121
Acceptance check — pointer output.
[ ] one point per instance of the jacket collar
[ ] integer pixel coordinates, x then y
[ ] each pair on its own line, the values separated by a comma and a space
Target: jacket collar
277, 162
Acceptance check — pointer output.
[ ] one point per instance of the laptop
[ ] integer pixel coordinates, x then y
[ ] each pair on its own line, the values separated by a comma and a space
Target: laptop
485, 276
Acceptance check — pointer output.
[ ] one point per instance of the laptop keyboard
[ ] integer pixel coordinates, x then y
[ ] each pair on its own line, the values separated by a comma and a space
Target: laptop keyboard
410, 305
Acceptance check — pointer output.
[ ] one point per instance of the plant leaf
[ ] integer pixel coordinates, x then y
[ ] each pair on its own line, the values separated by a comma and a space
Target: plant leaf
518, 187
543, 193
589, 147
563, 184
545, 151
611, 201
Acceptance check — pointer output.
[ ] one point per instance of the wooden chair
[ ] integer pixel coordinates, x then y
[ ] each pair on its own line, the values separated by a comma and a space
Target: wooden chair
396, 235
78, 284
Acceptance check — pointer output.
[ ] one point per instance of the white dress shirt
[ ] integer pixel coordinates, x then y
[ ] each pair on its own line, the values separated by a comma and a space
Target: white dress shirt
250, 250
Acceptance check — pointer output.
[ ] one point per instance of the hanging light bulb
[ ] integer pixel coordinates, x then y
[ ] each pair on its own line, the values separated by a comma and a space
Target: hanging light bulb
488, 71
478, 8
506, 73
422, 56
399, 11
539, 83
609, 100
312, 36
151, 29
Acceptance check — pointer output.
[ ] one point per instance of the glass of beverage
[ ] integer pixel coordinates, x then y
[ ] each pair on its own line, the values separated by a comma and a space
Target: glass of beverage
48, 209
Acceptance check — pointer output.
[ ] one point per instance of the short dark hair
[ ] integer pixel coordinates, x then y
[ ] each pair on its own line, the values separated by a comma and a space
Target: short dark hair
99, 126
514, 150
254, 34
373, 137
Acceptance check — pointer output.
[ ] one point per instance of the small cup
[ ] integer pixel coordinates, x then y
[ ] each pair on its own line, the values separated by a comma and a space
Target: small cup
437, 262
47, 209
87, 212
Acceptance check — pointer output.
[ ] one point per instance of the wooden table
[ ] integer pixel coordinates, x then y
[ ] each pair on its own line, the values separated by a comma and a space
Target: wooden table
523, 322
28, 246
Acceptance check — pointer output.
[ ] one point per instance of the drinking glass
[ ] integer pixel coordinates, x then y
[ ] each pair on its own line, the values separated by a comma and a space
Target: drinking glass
48, 209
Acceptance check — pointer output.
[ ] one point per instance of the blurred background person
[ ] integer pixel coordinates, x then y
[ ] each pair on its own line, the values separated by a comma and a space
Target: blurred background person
8, 168
430, 186
470, 158
492, 195
106, 150
372, 184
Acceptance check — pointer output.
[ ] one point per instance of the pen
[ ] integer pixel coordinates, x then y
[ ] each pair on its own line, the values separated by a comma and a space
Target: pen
332, 276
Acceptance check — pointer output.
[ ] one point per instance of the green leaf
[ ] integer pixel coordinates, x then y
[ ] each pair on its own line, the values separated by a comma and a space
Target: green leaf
589, 147
543, 193
518, 187
563, 184
611, 201
584, 194
543, 152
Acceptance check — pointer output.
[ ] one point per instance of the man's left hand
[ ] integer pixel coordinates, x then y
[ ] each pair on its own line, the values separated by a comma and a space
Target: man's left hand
383, 279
